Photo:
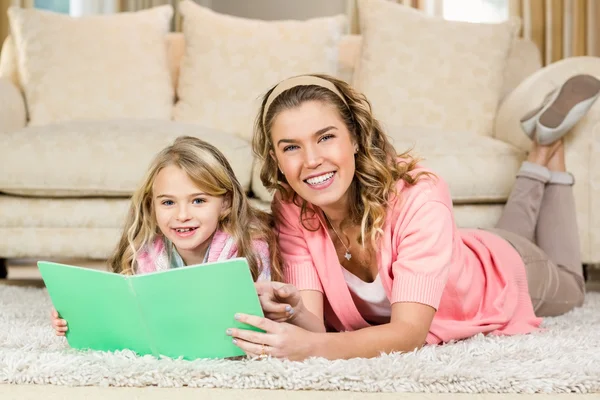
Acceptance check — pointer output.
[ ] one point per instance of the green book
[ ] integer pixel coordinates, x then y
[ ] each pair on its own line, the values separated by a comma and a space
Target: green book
181, 312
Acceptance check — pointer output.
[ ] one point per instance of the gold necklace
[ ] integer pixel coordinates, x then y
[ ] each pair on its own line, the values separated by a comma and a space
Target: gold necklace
347, 256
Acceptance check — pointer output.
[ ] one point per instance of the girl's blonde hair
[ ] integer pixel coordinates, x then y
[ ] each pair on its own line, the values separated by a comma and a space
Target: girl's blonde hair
377, 165
208, 168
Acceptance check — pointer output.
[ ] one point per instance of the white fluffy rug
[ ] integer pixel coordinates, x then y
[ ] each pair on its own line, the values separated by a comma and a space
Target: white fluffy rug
565, 358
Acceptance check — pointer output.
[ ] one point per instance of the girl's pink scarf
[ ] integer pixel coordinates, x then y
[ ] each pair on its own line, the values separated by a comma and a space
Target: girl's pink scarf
155, 257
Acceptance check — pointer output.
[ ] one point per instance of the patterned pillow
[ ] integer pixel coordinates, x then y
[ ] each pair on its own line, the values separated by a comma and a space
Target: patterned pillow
94, 67
231, 62
422, 71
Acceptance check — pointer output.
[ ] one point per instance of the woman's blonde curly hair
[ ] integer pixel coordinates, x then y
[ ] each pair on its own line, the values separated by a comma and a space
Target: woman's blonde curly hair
378, 166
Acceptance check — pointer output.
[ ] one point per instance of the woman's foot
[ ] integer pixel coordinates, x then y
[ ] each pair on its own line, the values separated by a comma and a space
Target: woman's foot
561, 109
544, 155
529, 120
556, 163
547, 163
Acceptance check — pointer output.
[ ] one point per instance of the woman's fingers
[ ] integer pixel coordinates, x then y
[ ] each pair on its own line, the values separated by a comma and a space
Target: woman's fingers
265, 287
284, 291
282, 315
273, 310
264, 324
250, 336
270, 306
254, 343
253, 349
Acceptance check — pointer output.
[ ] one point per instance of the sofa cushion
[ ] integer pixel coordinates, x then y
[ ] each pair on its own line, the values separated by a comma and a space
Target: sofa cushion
94, 67
478, 169
424, 71
230, 62
82, 213
100, 158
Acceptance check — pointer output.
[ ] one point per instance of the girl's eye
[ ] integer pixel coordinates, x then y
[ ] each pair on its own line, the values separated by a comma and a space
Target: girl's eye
326, 137
290, 147
167, 202
198, 201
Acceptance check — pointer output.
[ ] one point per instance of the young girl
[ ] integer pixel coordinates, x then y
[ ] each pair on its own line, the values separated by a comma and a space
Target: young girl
190, 209
369, 241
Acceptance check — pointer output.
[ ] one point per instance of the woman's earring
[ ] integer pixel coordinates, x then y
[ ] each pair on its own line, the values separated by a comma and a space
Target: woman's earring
356, 150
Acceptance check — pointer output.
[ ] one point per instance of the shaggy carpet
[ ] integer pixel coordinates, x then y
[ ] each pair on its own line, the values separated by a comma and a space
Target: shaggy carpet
564, 358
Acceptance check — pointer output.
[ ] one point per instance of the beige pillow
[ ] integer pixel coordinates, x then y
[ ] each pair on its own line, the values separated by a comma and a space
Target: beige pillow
8, 62
423, 71
94, 67
231, 62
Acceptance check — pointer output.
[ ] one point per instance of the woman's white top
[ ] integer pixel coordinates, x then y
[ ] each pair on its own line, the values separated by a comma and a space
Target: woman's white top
369, 298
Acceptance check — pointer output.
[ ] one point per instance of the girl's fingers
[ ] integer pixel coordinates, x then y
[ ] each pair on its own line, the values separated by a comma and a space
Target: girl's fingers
60, 331
60, 325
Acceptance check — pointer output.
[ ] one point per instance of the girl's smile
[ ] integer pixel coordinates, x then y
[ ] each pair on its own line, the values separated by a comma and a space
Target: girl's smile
186, 215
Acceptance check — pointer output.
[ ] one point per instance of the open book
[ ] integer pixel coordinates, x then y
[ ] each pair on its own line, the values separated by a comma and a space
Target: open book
181, 312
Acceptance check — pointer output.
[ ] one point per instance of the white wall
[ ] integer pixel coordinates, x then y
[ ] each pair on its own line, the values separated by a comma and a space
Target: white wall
277, 9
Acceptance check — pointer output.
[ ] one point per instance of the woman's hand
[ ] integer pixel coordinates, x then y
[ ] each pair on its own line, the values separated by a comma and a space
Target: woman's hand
59, 325
280, 302
280, 340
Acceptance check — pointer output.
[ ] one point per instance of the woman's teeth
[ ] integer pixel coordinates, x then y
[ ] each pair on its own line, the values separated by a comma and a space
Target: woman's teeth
319, 179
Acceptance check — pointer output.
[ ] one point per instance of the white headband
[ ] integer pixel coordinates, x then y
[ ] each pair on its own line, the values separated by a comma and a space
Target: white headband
302, 80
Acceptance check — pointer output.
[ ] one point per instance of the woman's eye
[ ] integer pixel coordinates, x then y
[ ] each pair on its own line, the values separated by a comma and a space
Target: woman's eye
290, 147
167, 203
198, 201
326, 137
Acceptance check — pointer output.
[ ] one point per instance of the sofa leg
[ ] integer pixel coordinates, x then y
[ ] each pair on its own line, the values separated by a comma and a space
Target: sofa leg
3, 268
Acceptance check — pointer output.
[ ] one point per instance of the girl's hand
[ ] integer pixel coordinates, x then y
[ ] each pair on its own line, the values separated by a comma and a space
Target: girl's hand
280, 302
59, 325
281, 340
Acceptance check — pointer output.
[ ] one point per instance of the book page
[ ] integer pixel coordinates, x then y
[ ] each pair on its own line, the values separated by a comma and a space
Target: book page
187, 310
100, 309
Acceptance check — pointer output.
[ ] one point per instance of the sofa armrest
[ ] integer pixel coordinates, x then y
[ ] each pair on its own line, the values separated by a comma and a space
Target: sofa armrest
582, 144
13, 114
531, 92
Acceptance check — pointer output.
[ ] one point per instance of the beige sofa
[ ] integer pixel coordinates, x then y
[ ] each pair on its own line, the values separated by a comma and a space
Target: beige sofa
64, 187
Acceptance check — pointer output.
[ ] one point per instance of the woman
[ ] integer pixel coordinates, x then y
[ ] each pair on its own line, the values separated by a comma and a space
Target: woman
373, 259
